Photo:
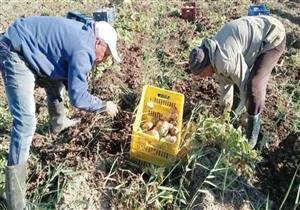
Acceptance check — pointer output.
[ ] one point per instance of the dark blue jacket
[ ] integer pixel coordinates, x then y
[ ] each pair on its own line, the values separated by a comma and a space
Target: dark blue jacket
61, 49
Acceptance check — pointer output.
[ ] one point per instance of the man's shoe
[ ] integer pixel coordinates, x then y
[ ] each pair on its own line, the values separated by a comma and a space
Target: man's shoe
58, 119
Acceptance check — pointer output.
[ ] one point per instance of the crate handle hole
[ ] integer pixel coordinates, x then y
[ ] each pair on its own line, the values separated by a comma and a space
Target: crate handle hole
163, 96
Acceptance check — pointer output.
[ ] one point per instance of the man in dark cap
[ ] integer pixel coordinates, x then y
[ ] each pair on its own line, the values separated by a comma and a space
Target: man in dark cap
242, 53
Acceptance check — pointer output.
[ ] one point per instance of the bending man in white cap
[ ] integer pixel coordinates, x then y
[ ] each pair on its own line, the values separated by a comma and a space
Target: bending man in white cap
52, 52
242, 53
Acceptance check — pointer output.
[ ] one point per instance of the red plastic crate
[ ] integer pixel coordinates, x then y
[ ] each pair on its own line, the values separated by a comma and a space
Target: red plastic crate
188, 11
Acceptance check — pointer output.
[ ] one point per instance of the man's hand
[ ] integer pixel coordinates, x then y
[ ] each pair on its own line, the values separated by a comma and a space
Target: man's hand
111, 108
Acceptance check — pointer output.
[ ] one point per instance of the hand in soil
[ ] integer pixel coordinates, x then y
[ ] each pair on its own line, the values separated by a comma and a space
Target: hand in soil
111, 108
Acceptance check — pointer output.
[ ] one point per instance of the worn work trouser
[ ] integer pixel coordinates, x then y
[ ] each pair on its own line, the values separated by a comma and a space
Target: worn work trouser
259, 77
19, 87
19, 81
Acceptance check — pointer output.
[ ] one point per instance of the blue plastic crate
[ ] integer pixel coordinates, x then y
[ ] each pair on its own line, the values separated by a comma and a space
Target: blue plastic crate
258, 9
107, 14
78, 17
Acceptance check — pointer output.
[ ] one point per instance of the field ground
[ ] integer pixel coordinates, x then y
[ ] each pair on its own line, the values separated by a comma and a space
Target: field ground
88, 167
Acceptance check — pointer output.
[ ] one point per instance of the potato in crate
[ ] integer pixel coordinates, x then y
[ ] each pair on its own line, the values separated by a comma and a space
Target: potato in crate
156, 129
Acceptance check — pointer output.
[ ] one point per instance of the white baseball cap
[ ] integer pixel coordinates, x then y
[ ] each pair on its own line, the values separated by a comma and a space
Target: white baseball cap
108, 34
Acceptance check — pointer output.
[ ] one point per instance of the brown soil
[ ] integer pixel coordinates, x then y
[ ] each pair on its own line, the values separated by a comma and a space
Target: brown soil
198, 90
276, 171
77, 148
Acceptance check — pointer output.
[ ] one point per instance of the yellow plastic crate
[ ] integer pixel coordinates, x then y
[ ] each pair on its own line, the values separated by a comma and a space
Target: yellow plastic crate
144, 147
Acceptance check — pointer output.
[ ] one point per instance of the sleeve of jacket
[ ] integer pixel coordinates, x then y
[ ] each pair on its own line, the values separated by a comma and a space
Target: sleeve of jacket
79, 66
239, 72
230, 72
226, 95
275, 34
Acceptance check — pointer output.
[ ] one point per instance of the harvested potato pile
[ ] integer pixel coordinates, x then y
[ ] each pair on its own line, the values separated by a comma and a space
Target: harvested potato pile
164, 129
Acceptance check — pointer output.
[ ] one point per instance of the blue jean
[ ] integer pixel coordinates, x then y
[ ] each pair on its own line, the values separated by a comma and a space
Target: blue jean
19, 84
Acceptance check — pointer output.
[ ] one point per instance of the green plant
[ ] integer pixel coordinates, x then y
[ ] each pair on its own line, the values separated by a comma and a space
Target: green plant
48, 192
5, 118
297, 203
231, 141
217, 161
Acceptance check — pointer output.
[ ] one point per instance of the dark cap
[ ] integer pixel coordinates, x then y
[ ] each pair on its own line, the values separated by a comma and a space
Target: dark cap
198, 59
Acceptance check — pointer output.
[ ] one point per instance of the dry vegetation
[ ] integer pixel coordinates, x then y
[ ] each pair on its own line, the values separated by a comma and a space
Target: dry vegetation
88, 167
